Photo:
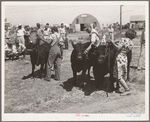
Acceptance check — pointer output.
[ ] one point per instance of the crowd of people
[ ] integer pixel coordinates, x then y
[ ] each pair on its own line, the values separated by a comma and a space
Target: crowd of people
16, 49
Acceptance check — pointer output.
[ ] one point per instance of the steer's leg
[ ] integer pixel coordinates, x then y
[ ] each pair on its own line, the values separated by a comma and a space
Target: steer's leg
41, 70
129, 57
110, 85
33, 67
89, 68
83, 78
128, 71
74, 77
74, 74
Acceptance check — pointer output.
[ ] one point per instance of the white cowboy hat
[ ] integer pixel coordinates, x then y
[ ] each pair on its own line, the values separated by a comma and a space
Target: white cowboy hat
19, 24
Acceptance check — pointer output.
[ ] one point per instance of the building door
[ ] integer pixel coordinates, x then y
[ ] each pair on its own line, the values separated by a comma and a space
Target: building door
77, 27
82, 27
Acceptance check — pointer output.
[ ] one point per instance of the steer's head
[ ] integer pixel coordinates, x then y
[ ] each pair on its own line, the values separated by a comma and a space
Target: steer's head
32, 43
100, 54
79, 49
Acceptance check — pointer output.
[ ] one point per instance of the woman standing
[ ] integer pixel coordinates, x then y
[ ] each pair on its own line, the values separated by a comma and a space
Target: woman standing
120, 66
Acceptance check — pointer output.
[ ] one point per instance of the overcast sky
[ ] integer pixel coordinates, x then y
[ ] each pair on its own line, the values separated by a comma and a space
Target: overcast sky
30, 14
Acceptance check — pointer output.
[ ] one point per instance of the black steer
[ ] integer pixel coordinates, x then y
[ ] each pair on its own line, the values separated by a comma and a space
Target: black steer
38, 53
103, 63
79, 62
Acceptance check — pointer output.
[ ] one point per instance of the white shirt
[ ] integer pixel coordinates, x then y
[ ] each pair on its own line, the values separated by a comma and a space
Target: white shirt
21, 32
94, 38
46, 32
62, 30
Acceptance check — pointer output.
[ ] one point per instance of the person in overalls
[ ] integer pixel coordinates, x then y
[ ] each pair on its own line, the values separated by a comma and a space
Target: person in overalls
54, 55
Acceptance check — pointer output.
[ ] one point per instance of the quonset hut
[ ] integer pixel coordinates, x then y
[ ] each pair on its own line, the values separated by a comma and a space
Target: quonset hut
81, 21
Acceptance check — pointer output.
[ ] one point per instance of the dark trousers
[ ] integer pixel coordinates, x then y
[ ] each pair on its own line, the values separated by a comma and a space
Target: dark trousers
54, 58
66, 43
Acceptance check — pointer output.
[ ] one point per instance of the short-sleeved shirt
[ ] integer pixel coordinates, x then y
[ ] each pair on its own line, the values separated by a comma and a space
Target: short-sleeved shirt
128, 45
46, 32
62, 30
21, 32
19, 48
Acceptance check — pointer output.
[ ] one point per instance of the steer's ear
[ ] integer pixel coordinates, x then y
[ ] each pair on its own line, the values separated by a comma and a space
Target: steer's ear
72, 44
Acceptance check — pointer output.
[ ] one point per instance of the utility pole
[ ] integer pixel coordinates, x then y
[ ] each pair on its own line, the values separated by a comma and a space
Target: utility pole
121, 19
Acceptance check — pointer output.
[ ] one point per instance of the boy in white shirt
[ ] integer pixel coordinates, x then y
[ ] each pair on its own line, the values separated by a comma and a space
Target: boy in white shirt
94, 38
20, 34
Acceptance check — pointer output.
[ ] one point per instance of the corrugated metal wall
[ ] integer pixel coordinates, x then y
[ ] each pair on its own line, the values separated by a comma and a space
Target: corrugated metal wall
84, 19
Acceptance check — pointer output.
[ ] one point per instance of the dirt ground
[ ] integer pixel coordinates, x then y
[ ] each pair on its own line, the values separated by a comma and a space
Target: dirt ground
26, 95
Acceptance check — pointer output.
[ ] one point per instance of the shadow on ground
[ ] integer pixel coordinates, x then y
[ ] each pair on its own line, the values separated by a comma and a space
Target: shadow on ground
89, 87
37, 74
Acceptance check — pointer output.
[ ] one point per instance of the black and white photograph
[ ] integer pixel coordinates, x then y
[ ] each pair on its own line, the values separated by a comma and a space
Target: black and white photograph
75, 60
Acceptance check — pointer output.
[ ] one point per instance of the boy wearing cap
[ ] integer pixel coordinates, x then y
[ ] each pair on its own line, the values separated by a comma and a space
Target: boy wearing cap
94, 38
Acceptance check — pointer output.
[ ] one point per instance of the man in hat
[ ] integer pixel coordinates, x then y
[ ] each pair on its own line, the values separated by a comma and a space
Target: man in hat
20, 36
62, 33
47, 31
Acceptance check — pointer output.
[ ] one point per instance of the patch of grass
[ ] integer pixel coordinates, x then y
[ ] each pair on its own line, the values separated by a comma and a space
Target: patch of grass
36, 94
